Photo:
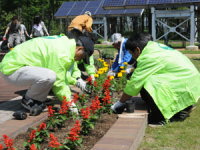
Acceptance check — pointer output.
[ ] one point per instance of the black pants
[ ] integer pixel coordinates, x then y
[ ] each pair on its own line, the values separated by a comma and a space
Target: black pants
154, 113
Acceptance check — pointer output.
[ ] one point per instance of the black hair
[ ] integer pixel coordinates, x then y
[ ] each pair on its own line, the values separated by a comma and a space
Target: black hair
139, 40
37, 20
14, 18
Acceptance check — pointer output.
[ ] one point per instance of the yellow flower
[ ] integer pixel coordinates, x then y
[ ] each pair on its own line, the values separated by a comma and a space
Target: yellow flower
125, 63
119, 74
101, 60
105, 69
123, 71
105, 64
111, 77
100, 72
121, 67
96, 75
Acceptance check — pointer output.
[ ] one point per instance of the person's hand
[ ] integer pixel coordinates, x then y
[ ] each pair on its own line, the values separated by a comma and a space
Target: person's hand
129, 69
111, 73
73, 108
118, 107
81, 84
4, 38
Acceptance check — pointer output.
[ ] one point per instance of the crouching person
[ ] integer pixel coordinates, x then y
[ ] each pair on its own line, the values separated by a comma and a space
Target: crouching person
42, 63
166, 79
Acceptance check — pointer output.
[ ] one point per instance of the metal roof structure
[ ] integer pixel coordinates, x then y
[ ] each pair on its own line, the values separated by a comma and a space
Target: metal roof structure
124, 4
71, 9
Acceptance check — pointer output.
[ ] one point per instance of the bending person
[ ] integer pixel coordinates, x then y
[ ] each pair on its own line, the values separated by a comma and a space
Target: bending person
43, 66
122, 56
166, 79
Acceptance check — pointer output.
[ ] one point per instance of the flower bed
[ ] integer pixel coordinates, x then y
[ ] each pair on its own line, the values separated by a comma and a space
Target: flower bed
65, 129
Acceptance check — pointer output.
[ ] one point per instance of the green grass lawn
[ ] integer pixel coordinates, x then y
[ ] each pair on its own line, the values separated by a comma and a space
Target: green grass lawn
177, 135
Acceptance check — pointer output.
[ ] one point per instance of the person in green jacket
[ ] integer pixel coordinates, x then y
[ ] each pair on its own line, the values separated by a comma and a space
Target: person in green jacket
42, 64
75, 76
166, 79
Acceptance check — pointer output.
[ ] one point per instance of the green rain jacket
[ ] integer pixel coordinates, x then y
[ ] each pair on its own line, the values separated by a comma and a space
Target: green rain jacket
52, 52
169, 77
74, 73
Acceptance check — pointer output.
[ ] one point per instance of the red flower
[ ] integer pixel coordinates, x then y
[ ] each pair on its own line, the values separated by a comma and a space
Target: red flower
50, 111
89, 79
64, 107
74, 132
107, 84
32, 135
64, 98
1, 147
54, 141
95, 84
85, 112
8, 142
75, 97
33, 147
107, 98
95, 104
42, 127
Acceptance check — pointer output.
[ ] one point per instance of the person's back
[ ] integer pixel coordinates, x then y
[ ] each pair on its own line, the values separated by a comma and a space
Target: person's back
40, 51
82, 22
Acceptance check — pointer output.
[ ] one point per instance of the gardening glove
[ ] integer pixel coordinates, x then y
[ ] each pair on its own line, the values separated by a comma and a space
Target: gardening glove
81, 84
73, 108
118, 107
111, 73
129, 69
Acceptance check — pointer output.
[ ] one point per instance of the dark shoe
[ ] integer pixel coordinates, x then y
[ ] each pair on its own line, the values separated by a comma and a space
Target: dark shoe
180, 116
35, 107
157, 124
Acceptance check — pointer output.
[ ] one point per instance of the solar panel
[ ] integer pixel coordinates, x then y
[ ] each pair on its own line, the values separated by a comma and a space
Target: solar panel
186, 1
77, 8
136, 2
62, 11
92, 6
160, 2
113, 3
95, 7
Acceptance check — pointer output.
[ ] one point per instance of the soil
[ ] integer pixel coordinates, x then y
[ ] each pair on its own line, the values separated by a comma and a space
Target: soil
101, 127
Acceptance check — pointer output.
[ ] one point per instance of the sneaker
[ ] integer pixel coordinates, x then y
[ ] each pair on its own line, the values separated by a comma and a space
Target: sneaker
30, 103
157, 124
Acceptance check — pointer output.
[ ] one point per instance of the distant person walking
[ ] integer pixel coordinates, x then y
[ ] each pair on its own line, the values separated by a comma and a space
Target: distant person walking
39, 29
14, 32
23, 32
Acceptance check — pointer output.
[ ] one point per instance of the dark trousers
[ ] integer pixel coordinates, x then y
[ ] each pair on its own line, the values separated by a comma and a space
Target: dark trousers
154, 113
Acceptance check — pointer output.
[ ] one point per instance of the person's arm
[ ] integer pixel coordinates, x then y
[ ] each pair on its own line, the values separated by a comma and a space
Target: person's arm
145, 68
88, 25
72, 75
25, 31
90, 69
44, 28
115, 66
6, 32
